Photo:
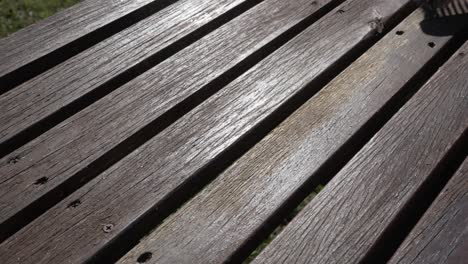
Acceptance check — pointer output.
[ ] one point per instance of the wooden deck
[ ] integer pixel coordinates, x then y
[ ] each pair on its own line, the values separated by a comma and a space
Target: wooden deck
198, 131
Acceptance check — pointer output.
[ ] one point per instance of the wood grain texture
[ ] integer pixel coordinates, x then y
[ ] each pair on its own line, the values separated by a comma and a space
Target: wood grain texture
215, 223
346, 218
52, 33
49, 92
136, 184
80, 140
441, 236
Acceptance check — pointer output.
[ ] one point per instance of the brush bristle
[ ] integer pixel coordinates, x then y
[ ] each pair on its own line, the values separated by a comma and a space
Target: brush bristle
444, 8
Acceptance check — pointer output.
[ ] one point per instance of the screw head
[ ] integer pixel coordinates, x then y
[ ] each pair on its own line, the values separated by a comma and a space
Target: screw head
107, 228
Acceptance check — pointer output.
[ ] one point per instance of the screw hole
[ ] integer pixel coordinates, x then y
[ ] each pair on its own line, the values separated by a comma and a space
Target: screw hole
313, 3
74, 204
431, 44
144, 257
400, 32
41, 181
461, 54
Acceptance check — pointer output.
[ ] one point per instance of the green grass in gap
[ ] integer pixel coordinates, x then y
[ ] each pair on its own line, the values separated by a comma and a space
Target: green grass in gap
285, 221
17, 14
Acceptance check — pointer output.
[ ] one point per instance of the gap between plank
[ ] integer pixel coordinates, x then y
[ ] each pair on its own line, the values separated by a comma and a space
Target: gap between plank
330, 168
284, 221
42, 64
155, 216
41, 205
394, 235
104, 89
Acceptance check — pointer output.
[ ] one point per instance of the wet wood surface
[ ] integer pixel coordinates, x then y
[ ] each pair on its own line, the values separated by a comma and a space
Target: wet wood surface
37, 40
187, 131
220, 220
351, 213
77, 142
103, 66
441, 236
170, 158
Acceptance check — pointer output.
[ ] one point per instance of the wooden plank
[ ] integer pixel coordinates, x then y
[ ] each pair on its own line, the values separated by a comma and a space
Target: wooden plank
42, 38
70, 147
50, 92
441, 236
217, 222
137, 184
73, 24
344, 221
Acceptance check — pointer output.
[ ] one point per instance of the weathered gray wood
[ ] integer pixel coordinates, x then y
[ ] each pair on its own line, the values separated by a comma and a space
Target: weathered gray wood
51, 91
80, 140
441, 236
215, 223
137, 183
39, 39
346, 218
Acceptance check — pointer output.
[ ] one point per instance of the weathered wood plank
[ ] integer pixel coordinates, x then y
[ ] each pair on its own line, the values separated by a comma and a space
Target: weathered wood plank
344, 221
71, 146
37, 40
441, 236
125, 192
218, 221
47, 93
